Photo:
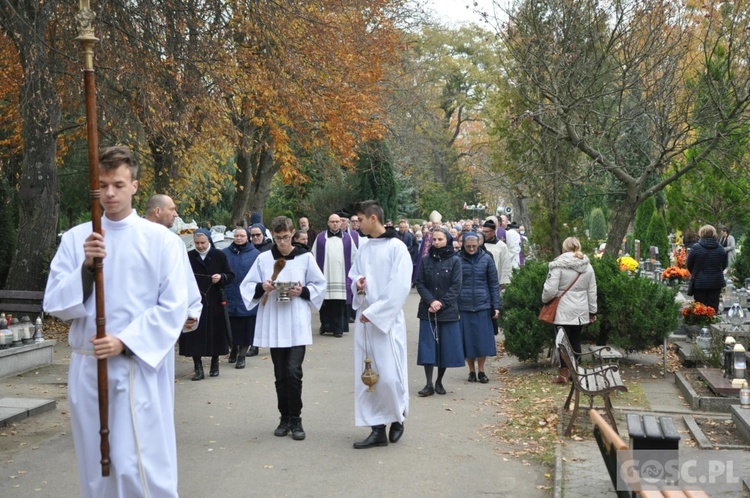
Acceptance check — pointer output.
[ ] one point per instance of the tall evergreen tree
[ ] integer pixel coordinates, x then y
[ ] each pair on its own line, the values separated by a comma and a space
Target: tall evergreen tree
375, 178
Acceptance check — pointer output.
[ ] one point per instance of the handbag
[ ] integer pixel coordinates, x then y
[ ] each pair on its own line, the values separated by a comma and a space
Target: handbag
549, 310
691, 286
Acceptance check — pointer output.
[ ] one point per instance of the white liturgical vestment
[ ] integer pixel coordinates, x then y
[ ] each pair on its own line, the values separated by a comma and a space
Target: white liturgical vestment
146, 304
386, 265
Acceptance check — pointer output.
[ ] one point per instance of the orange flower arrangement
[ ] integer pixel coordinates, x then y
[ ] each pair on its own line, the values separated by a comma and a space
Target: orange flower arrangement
675, 273
698, 314
680, 256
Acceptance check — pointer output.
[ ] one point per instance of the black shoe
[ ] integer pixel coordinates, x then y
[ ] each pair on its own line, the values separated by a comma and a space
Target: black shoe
338, 334
483, 378
214, 370
233, 354
253, 351
240, 362
298, 433
428, 390
397, 430
198, 375
376, 438
439, 389
285, 426
472, 377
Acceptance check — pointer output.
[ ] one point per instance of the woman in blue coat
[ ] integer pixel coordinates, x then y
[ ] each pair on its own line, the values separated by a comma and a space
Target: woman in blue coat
241, 255
438, 284
478, 302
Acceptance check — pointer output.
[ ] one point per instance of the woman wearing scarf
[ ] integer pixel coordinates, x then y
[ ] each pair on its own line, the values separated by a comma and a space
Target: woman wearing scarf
438, 284
478, 302
258, 237
212, 272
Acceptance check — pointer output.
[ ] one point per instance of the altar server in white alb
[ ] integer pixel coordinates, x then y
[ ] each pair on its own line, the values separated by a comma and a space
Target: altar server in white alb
381, 281
285, 325
146, 304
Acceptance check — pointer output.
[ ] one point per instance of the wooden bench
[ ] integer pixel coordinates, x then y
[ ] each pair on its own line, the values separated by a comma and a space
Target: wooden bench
599, 380
609, 444
19, 303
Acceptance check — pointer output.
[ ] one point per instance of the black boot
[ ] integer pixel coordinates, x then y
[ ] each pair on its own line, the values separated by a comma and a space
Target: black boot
198, 365
241, 352
214, 371
298, 433
396, 431
376, 438
233, 354
253, 351
285, 425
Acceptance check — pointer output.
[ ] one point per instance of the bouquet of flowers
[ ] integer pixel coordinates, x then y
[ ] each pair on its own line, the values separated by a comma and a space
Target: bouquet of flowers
627, 263
679, 256
675, 273
698, 314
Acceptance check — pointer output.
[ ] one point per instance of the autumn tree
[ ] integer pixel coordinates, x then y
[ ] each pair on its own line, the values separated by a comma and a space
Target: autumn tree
308, 76
26, 24
435, 97
618, 82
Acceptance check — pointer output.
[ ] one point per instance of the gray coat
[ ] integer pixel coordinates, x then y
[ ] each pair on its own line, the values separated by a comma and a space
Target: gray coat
580, 301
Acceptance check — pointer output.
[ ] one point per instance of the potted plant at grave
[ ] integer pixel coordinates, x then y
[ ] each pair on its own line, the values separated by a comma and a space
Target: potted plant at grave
675, 275
696, 316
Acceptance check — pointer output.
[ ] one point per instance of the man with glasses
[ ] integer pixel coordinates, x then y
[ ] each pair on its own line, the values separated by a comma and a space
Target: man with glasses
285, 326
499, 252
334, 252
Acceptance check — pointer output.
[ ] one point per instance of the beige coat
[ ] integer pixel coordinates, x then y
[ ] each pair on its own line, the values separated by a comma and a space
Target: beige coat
580, 301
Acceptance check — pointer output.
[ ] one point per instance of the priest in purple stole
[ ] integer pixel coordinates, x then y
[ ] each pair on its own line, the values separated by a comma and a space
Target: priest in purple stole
334, 252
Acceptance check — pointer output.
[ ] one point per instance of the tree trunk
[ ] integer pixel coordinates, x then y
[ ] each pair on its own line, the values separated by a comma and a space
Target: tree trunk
242, 180
624, 212
261, 184
38, 193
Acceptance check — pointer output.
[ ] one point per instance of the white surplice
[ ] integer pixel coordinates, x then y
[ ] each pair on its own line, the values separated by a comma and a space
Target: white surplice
146, 303
386, 265
503, 260
334, 263
284, 324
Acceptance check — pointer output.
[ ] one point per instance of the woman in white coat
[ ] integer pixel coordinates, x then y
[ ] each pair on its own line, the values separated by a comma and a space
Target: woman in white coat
572, 271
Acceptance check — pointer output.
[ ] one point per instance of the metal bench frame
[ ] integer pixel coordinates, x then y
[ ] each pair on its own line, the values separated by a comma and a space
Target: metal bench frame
600, 380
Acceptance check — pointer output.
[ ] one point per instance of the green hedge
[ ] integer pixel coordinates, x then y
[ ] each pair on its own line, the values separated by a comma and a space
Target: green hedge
634, 313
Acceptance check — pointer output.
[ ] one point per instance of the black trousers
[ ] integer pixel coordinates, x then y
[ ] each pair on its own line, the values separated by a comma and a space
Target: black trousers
287, 367
709, 297
574, 335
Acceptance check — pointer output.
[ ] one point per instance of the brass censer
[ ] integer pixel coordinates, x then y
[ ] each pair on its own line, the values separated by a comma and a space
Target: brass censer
369, 376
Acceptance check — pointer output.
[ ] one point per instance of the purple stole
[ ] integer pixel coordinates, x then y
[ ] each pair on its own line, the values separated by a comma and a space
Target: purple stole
320, 257
354, 235
424, 251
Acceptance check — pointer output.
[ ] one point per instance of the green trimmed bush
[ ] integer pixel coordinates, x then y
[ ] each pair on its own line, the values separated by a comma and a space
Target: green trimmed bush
525, 336
634, 313
741, 266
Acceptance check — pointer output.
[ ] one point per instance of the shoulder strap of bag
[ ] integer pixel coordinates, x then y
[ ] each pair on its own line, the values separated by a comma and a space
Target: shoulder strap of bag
571, 285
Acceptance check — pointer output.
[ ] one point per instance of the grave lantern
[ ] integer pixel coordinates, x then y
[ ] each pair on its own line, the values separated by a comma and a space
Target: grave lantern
736, 316
740, 365
728, 358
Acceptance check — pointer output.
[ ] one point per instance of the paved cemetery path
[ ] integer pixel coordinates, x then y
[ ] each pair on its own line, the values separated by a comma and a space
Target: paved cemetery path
226, 445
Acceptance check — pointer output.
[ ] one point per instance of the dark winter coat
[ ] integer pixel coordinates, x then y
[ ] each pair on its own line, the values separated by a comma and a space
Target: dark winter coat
706, 262
439, 279
480, 289
240, 258
210, 338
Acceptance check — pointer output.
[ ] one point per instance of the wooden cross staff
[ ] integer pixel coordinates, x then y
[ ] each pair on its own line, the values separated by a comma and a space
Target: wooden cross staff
87, 40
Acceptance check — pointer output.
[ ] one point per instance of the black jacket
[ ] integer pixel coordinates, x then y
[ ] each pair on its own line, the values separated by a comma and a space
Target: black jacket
439, 278
706, 262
